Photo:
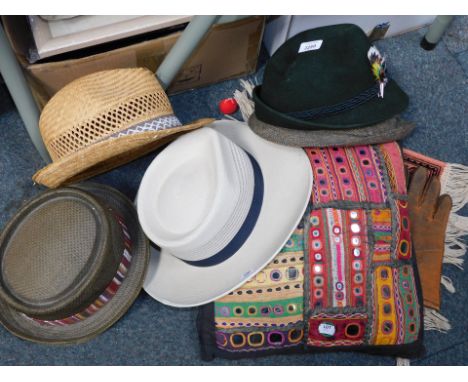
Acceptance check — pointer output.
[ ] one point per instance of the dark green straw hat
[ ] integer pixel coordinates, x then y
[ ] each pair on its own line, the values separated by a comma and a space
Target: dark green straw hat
323, 79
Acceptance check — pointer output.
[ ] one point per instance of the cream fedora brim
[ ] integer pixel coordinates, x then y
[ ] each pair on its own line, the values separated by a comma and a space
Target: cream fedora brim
287, 179
108, 154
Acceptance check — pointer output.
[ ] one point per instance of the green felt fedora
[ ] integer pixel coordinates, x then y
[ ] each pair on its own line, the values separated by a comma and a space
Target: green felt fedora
323, 79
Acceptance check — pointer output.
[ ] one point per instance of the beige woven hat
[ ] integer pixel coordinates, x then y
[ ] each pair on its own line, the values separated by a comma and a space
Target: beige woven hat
103, 120
72, 262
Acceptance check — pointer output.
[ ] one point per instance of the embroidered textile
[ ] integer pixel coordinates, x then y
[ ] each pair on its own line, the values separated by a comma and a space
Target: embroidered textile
347, 279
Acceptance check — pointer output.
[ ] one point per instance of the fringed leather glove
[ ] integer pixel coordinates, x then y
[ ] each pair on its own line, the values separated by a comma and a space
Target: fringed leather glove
429, 214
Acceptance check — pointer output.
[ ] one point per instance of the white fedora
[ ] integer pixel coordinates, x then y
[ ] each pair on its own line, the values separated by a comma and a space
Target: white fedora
221, 202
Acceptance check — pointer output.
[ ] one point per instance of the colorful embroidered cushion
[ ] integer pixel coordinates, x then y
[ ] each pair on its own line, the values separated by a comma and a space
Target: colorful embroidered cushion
347, 278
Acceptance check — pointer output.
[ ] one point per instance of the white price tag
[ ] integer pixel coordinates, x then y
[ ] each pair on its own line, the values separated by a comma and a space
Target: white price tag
326, 329
310, 45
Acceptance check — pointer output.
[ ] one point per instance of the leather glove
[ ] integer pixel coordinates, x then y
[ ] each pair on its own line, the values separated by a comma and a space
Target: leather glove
429, 215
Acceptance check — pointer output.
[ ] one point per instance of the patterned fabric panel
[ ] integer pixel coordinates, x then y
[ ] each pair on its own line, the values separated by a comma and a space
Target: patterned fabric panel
358, 293
394, 163
328, 330
261, 339
407, 313
347, 278
338, 258
413, 160
360, 285
382, 233
385, 325
403, 238
347, 173
396, 309
267, 311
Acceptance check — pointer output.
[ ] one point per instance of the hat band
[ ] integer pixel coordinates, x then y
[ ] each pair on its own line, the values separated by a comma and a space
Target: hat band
108, 293
246, 228
341, 107
156, 124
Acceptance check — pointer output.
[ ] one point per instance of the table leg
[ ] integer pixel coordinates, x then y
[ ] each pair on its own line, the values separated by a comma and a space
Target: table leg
183, 48
435, 32
22, 97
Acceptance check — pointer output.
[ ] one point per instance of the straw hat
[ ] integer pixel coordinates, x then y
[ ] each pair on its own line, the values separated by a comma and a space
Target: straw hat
72, 261
221, 202
103, 120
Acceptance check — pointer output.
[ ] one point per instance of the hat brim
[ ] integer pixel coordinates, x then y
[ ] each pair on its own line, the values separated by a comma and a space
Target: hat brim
108, 154
374, 111
23, 327
390, 130
287, 187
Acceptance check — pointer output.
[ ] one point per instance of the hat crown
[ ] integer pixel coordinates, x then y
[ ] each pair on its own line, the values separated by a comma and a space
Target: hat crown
58, 254
333, 68
196, 194
96, 106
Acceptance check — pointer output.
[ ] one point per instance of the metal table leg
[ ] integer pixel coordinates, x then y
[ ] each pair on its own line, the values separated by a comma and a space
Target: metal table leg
435, 32
183, 48
19, 90
187, 43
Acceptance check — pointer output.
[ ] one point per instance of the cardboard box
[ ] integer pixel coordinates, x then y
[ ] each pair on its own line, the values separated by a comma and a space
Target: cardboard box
228, 50
60, 36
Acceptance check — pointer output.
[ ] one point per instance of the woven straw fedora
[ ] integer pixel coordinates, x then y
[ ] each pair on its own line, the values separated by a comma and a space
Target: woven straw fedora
103, 120
220, 202
72, 261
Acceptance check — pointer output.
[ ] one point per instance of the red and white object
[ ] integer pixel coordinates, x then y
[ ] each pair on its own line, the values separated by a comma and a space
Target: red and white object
228, 106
